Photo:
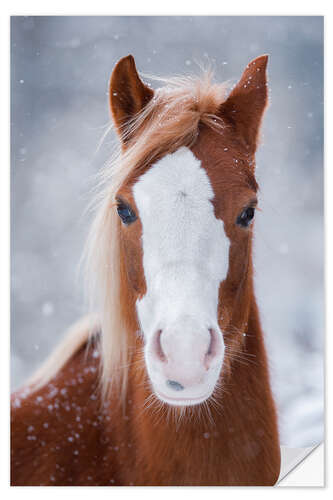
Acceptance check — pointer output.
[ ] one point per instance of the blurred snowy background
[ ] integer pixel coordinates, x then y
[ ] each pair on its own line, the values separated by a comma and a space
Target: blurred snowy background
60, 68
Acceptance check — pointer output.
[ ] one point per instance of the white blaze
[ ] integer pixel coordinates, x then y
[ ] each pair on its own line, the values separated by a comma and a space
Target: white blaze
185, 250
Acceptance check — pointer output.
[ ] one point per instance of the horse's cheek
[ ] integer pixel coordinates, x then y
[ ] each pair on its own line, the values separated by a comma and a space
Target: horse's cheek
134, 267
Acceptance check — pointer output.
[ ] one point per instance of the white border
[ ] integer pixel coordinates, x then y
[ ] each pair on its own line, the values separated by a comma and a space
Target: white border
172, 7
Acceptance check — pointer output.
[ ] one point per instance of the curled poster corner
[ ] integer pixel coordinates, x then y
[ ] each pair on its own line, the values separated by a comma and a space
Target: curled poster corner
296, 463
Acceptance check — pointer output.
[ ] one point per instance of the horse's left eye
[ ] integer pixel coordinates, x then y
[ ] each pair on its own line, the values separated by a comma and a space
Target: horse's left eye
245, 217
125, 212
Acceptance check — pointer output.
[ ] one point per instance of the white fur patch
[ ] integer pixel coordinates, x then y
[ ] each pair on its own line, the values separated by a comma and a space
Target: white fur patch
185, 254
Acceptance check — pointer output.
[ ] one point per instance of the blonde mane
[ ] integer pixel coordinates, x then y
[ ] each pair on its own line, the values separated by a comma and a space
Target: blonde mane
170, 120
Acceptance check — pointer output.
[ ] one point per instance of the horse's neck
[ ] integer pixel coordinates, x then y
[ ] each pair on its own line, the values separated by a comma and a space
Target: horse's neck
242, 413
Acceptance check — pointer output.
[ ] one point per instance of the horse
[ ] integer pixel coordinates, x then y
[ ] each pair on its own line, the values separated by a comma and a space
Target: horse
167, 384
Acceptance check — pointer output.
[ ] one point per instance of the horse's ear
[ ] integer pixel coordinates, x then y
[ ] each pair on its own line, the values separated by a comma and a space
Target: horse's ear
246, 103
128, 94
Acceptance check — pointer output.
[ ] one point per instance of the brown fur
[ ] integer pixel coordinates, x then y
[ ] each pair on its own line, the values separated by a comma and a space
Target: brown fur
230, 440
127, 88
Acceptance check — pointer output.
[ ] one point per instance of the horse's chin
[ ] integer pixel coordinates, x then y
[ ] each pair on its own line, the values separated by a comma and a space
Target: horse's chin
191, 401
172, 393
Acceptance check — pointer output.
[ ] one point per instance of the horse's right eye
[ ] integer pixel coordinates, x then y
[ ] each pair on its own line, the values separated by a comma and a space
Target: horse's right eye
125, 212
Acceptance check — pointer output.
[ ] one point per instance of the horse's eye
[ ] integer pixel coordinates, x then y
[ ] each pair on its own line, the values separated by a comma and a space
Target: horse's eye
125, 212
245, 217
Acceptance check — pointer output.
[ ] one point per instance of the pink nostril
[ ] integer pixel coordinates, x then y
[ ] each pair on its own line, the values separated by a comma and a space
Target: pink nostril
157, 348
213, 349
